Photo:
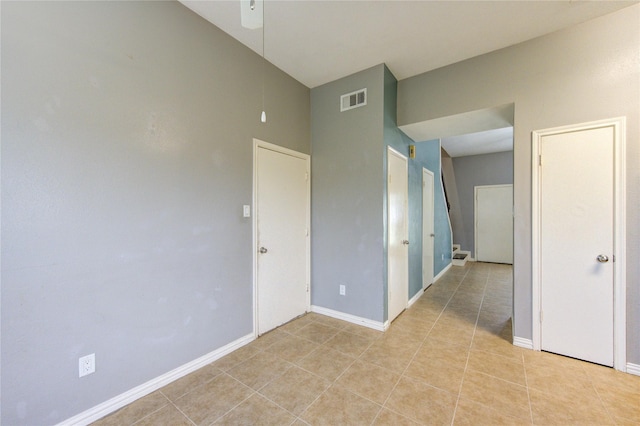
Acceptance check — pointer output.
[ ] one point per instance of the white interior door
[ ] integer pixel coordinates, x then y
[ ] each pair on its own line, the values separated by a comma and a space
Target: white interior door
494, 223
577, 244
398, 231
282, 235
428, 232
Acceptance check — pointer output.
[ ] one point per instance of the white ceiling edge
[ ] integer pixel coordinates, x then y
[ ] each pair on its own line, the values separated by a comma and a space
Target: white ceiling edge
460, 124
486, 142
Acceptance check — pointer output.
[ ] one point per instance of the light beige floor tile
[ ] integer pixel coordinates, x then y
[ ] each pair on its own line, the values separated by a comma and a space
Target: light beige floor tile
557, 379
453, 333
502, 396
295, 390
212, 400
363, 331
348, 343
326, 363
295, 325
268, 339
135, 411
368, 380
317, 332
338, 406
189, 382
556, 409
434, 373
236, 357
259, 370
509, 369
388, 355
257, 411
166, 416
421, 402
325, 320
471, 413
496, 345
390, 418
292, 348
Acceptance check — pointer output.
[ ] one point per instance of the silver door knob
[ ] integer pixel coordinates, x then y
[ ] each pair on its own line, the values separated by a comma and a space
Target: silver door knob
262, 250
433, 235
602, 258
405, 242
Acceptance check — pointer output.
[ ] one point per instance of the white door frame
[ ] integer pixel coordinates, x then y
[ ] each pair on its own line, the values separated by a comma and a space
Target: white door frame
426, 237
391, 151
619, 287
257, 143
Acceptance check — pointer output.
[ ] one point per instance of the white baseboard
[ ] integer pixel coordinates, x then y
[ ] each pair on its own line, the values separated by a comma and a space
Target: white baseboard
376, 325
444, 271
521, 342
415, 298
633, 369
115, 403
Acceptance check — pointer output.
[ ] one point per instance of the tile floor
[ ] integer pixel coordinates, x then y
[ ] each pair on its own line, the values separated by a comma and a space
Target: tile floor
446, 360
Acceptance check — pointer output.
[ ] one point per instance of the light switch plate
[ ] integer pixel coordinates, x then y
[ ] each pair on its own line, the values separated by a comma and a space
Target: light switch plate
246, 211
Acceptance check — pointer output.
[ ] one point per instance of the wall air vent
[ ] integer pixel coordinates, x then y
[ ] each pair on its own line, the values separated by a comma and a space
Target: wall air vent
353, 100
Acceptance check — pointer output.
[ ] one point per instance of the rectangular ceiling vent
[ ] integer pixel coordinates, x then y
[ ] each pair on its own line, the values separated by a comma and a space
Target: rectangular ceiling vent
353, 100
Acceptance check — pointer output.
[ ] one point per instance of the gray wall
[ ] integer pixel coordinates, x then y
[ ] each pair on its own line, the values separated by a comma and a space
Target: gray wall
347, 197
126, 158
472, 171
584, 73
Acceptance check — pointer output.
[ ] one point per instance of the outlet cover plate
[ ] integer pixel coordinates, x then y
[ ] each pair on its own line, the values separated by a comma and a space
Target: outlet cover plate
86, 365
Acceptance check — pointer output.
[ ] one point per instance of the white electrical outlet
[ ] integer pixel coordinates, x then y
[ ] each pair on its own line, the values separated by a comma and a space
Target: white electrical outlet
343, 290
87, 365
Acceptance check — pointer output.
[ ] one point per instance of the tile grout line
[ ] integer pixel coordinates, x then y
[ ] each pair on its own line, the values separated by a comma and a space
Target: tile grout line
466, 365
606, 408
418, 350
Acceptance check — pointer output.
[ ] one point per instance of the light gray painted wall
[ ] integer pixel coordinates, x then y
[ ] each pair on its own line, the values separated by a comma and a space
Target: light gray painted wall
347, 197
584, 73
472, 171
126, 158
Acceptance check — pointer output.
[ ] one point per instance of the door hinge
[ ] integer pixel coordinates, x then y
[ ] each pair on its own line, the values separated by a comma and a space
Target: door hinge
541, 316
307, 287
306, 177
306, 232
540, 160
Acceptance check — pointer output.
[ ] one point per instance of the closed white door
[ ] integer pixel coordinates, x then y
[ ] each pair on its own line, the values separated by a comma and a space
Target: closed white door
397, 226
282, 235
428, 232
494, 223
577, 243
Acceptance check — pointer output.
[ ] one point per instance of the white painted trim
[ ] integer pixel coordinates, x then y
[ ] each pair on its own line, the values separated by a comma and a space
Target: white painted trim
619, 288
257, 143
376, 325
441, 273
117, 402
426, 237
415, 298
521, 342
633, 369
392, 151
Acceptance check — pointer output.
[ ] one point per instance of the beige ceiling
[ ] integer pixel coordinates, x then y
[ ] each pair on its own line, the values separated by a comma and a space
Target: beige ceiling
320, 41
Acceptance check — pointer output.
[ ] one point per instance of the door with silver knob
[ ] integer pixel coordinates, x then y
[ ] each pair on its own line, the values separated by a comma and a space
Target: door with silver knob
576, 242
397, 237
428, 234
282, 242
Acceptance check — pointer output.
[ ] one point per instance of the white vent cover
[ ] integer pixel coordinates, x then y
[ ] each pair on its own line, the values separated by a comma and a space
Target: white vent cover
353, 100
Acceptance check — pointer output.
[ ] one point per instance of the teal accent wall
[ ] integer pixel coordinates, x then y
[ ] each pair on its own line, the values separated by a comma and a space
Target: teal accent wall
428, 154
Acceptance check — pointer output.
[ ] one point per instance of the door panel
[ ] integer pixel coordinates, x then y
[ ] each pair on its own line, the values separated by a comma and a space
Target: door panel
577, 225
494, 223
428, 232
282, 237
398, 244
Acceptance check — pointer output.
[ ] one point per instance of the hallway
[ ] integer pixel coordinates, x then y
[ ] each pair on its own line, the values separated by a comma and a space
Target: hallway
446, 360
